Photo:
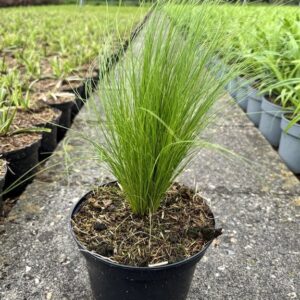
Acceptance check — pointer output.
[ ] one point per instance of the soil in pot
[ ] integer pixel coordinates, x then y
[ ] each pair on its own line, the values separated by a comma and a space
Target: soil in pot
270, 120
45, 85
289, 147
41, 116
181, 227
63, 102
130, 257
21, 151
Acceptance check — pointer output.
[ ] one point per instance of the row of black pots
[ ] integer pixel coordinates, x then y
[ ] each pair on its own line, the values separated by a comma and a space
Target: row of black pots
70, 109
113, 281
22, 163
271, 119
82, 93
67, 112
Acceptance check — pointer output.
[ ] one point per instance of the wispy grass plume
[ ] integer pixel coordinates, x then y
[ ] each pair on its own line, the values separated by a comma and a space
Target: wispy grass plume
155, 103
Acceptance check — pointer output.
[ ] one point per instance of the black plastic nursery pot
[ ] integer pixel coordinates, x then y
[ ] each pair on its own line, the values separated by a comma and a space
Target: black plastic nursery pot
81, 95
65, 118
49, 139
21, 163
78, 104
2, 181
92, 82
81, 92
113, 281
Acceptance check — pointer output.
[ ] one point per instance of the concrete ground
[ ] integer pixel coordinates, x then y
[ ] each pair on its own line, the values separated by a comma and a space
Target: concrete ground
255, 201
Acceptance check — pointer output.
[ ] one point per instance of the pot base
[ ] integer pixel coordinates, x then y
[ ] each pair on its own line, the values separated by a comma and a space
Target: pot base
21, 163
111, 280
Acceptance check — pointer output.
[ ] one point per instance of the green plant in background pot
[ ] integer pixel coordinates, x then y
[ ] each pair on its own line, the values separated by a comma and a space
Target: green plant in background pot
30, 113
19, 147
143, 235
276, 62
289, 145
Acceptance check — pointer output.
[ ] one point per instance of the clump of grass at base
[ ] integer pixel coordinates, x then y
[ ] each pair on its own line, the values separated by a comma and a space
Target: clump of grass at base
157, 102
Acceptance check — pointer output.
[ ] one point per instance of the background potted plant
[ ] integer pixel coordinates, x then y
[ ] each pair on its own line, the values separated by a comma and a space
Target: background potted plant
272, 109
254, 109
37, 114
142, 235
19, 147
275, 103
278, 64
63, 102
289, 146
29, 113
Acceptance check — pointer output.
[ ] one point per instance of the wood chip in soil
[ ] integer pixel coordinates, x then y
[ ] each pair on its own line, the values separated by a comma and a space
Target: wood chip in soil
179, 229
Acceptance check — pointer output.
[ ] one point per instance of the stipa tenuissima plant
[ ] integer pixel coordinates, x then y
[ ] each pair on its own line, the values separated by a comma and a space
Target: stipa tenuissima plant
157, 102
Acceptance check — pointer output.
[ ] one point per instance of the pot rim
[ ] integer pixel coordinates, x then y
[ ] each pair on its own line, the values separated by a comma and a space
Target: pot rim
293, 130
114, 264
287, 120
63, 105
272, 108
27, 148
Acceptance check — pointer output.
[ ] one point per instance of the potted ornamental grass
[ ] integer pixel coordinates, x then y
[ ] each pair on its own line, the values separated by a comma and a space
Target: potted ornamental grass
143, 234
